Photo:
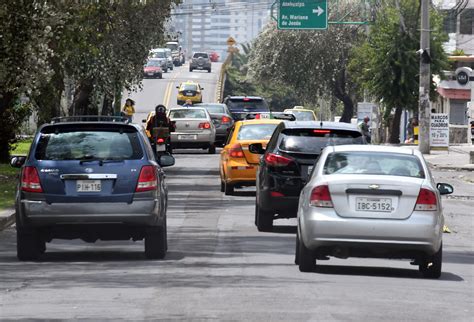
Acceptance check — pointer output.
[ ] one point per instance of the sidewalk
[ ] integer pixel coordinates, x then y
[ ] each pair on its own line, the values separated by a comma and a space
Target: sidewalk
7, 218
456, 158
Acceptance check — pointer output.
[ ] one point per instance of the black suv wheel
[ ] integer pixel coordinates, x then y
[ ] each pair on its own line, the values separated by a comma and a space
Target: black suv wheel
264, 219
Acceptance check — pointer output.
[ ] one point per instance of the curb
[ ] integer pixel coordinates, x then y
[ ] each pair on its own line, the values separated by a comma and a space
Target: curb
452, 168
7, 221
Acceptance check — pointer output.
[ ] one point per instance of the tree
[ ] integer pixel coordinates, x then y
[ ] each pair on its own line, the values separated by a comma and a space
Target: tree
387, 63
237, 83
24, 53
98, 46
311, 63
104, 46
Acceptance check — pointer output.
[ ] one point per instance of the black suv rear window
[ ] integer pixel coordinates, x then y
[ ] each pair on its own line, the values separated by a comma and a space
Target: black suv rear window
201, 55
82, 143
314, 140
241, 107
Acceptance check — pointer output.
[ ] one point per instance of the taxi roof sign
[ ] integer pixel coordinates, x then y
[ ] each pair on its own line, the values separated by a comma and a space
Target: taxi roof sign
231, 41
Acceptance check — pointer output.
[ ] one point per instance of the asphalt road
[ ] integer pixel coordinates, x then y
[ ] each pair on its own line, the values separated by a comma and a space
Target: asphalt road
220, 268
163, 91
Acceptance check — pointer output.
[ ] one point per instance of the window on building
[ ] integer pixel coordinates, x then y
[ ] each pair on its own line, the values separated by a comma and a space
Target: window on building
457, 112
466, 25
450, 19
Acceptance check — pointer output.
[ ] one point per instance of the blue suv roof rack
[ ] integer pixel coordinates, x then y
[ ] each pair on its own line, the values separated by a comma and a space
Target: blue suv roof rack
90, 118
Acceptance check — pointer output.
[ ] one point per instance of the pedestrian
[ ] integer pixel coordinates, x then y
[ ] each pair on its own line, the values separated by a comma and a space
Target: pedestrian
365, 128
129, 109
411, 130
188, 103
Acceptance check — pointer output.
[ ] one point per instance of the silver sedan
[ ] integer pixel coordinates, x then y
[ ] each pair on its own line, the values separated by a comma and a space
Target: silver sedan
194, 129
371, 201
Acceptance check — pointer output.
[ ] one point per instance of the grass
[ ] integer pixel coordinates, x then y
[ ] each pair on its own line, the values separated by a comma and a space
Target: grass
8, 182
22, 147
9, 176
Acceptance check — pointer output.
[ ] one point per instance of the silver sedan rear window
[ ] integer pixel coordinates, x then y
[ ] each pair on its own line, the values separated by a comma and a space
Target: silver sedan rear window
376, 163
188, 114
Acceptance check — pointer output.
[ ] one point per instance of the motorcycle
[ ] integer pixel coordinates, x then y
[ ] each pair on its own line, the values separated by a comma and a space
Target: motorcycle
161, 140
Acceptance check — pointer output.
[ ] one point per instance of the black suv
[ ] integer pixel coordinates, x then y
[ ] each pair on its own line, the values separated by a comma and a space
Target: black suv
241, 106
287, 163
91, 178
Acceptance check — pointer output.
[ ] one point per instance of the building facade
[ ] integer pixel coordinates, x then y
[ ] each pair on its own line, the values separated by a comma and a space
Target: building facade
205, 25
454, 97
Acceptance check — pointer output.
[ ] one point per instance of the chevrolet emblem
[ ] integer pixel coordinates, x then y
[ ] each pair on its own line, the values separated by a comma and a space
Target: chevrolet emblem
374, 186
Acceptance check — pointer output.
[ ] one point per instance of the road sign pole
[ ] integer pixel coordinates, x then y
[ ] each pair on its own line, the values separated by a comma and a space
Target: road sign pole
425, 80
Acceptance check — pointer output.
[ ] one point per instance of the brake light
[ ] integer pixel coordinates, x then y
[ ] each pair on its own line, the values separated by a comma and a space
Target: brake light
276, 160
30, 181
205, 125
225, 119
276, 194
147, 180
426, 201
236, 151
320, 197
160, 141
257, 116
246, 99
321, 131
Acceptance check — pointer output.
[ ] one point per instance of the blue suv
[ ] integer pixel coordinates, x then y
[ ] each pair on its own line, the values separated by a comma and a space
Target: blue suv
91, 178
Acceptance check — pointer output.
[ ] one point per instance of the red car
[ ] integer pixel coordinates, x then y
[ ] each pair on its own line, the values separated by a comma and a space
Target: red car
153, 69
214, 57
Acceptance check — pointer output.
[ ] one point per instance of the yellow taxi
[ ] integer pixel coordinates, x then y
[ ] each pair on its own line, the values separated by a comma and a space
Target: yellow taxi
238, 167
301, 114
189, 91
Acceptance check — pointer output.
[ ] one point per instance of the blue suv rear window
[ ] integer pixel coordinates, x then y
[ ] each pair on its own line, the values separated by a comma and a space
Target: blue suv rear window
80, 144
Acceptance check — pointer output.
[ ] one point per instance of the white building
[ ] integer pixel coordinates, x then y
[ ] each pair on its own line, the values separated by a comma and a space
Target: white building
458, 24
205, 25
454, 97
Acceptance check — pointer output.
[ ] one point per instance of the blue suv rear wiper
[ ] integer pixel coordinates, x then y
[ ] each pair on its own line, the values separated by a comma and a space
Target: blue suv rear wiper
91, 158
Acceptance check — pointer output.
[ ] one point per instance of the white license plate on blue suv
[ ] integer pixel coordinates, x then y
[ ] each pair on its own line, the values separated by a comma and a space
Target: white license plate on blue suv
88, 185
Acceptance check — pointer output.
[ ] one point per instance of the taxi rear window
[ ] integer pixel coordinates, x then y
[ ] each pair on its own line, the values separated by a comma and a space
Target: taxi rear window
189, 87
256, 131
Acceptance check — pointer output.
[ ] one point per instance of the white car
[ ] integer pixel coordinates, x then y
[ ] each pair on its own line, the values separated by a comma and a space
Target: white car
194, 129
169, 58
371, 201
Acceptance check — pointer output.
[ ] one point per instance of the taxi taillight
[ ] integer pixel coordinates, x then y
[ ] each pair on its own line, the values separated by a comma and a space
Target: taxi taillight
236, 151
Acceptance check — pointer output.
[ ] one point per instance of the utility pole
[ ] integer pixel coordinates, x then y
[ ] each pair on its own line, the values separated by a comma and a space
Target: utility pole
425, 80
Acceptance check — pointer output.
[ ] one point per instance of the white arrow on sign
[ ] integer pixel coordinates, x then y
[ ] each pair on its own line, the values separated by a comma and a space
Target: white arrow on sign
319, 11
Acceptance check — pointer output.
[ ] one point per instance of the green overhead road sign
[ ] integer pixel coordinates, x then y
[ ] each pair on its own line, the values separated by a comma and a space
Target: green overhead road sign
302, 14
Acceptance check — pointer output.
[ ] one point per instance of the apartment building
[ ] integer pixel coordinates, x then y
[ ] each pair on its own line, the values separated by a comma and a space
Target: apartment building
205, 25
